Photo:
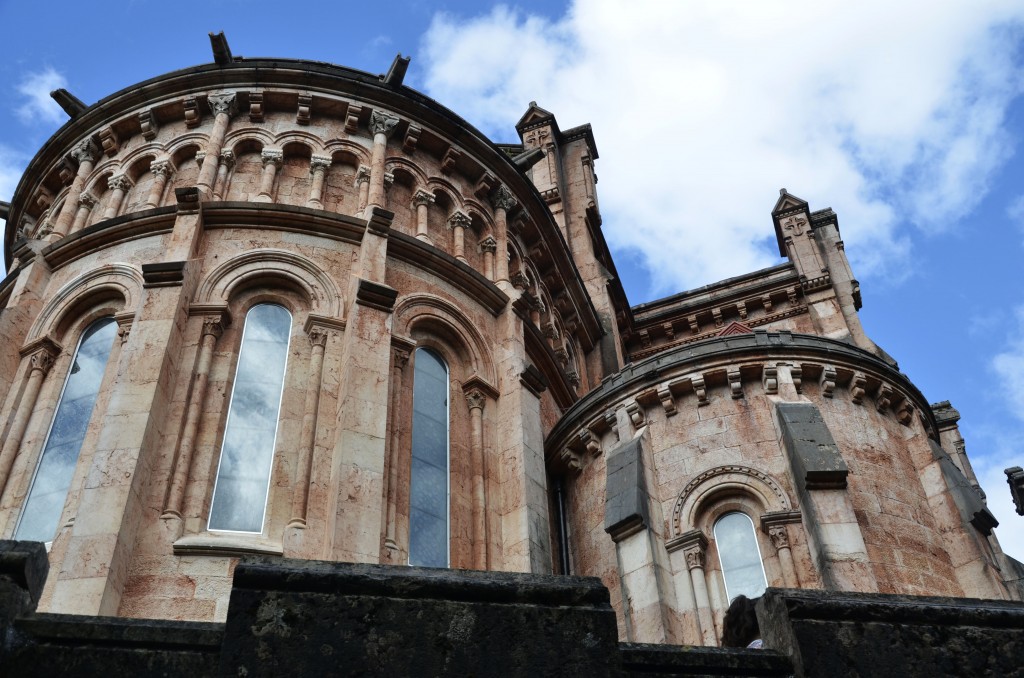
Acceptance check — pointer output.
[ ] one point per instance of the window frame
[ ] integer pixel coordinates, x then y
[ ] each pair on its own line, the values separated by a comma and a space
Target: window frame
227, 420
721, 563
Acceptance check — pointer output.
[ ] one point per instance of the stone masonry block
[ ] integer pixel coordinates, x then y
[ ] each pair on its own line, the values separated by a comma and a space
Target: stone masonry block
813, 453
625, 508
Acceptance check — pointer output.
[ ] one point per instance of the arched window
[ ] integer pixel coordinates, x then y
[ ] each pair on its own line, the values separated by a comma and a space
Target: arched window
247, 453
52, 480
428, 492
739, 555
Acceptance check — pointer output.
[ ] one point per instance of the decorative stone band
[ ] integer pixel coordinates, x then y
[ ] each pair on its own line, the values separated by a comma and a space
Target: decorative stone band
697, 369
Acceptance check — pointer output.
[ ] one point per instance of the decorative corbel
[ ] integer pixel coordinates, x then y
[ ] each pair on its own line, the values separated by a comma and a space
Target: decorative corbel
827, 381
667, 401
857, 384
636, 413
735, 382
770, 379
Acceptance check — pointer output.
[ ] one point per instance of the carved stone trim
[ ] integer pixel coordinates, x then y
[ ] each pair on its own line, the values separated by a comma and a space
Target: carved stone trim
764, 480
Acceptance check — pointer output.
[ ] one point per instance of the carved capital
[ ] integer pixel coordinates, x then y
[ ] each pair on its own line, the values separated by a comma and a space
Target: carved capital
42, 359
213, 325
459, 219
227, 158
161, 168
318, 337
223, 102
502, 199
119, 182
422, 197
489, 245
779, 536
476, 399
272, 156
84, 151
401, 357
319, 163
87, 199
694, 557
362, 175
383, 123
520, 281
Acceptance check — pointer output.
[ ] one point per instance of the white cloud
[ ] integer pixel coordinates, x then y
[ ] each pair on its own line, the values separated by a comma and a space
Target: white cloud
1008, 366
891, 113
37, 105
12, 164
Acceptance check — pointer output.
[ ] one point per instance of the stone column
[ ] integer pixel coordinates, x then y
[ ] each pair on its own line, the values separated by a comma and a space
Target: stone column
41, 357
85, 153
382, 125
458, 222
422, 201
227, 161
300, 490
119, 185
685, 599
213, 328
318, 166
694, 550
504, 202
400, 358
476, 399
363, 184
780, 540
86, 201
162, 170
224, 105
272, 159
488, 246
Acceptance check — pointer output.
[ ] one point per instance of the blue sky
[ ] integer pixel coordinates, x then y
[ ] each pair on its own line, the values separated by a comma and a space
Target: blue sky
906, 118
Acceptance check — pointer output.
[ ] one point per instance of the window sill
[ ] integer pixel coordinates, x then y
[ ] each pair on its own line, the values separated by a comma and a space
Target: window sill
213, 544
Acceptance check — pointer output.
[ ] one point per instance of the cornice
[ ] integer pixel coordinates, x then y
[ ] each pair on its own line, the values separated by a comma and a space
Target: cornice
330, 81
642, 378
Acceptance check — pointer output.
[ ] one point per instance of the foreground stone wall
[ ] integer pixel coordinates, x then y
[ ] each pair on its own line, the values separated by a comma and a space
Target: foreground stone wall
290, 617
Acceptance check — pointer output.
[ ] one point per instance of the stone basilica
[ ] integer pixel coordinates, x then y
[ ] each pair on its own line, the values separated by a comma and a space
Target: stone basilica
288, 309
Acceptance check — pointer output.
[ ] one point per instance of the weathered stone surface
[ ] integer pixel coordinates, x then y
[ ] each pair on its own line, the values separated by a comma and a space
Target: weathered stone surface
639, 659
831, 634
309, 618
625, 504
813, 453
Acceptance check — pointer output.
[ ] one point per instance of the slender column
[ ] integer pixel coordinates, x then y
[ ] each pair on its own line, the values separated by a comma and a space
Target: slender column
382, 125
40, 362
318, 166
476, 399
85, 153
272, 160
119, 185
694, 552
488, 246
780, 540
223, 105
401, 358
86, 201
422, 201
458, 222
363, 182
227, 161
504, 202
162, 170
300, 490
213, 328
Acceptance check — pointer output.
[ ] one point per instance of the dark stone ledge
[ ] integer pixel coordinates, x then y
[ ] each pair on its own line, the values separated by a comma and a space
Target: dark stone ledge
640, 659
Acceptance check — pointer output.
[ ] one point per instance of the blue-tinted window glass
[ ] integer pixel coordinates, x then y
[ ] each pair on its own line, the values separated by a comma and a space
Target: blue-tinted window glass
247, 454
428, 492
740, 556
57, 464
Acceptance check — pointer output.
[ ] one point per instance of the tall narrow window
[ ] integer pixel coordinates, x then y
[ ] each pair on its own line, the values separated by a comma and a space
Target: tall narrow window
428, 510
63, 444
247, 454
740, 556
